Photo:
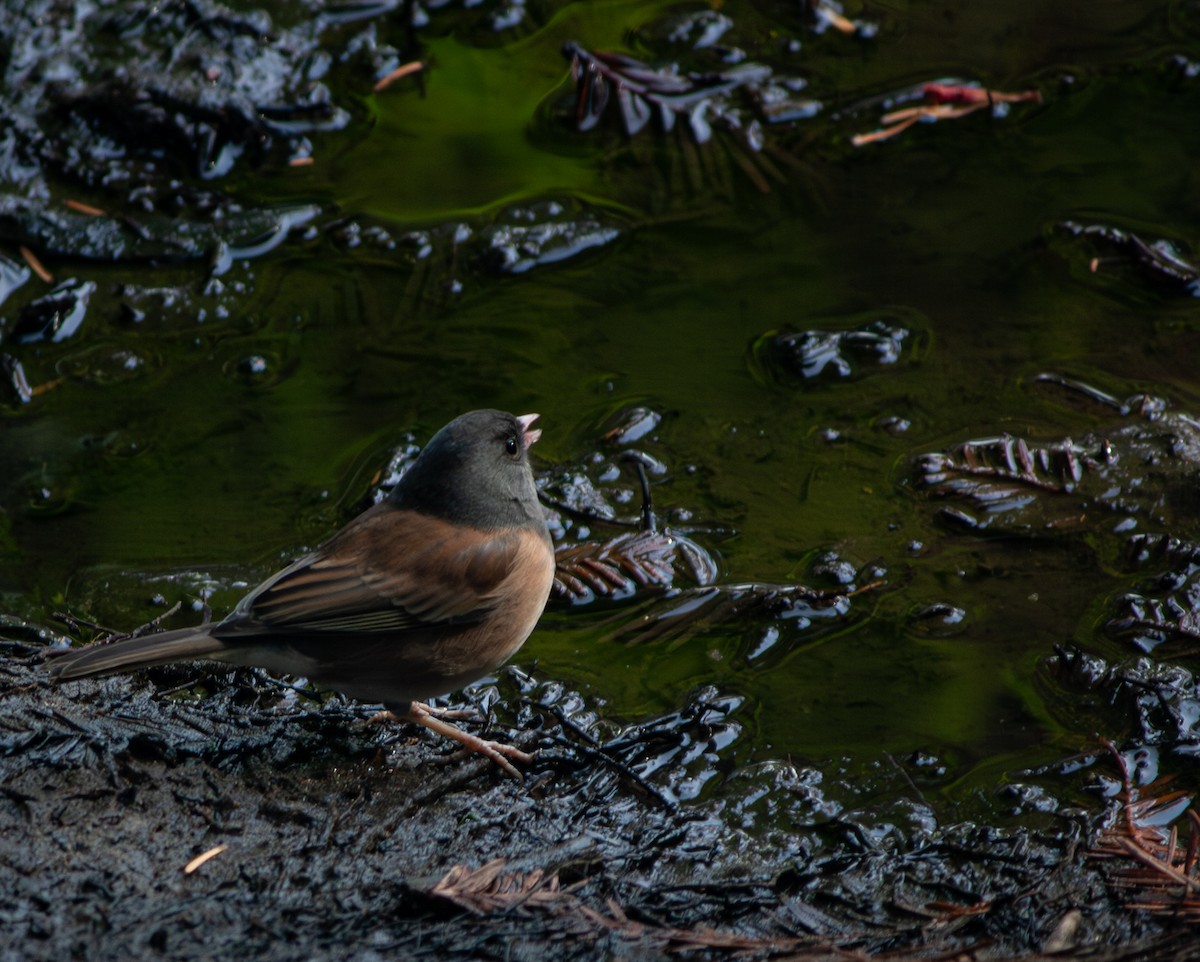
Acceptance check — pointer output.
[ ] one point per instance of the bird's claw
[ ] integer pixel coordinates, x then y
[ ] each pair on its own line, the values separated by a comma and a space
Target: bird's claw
435, 720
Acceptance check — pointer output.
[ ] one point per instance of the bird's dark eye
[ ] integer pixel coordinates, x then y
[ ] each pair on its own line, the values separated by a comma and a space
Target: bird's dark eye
511, 446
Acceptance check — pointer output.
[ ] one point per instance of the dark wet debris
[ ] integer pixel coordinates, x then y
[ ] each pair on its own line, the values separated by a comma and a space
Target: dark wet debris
724, 103
1139, 470
835, 354
940, 619
619, 484
150, 238
700, 30
701, 80
996, 471
198, 83
527, 237
1110, 250
118, 116
12, 276
642, 93
617, 567
1165, 606
16, 382
783, 101
55, 316
630, 425
494, 18
1155, 701
722, 92
513, 240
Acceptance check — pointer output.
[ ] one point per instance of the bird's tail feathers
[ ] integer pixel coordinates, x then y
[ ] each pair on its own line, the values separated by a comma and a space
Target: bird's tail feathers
185, 644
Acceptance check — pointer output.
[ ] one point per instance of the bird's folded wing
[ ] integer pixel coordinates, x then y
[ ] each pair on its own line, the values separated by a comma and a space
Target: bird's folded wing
390, 570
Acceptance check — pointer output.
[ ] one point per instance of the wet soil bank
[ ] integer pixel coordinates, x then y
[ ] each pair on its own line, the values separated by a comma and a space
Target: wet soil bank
328, 837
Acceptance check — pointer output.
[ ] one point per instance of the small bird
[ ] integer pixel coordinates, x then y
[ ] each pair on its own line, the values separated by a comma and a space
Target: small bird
427, 591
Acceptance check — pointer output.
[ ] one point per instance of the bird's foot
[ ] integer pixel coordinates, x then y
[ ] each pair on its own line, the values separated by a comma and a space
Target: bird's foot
434, 720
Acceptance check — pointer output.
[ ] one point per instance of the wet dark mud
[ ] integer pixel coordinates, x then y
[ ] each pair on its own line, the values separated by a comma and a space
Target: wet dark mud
327, 834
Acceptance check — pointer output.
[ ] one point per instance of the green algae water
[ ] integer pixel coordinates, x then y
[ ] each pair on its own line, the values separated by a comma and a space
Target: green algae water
238, 437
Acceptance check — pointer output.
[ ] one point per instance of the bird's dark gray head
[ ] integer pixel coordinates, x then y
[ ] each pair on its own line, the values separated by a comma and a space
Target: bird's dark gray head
476, 471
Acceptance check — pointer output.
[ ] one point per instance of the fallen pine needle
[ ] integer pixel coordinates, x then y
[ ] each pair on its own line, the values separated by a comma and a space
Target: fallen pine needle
1156, 864
402, 71
82, 208
36, 265
934, 112
858, 140
202, 858
836, 20
45, 386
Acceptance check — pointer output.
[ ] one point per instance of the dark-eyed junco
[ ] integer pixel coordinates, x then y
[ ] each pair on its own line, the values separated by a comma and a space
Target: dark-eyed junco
421, 594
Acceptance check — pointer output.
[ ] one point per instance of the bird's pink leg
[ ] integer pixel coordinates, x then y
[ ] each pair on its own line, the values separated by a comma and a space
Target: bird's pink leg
421, 714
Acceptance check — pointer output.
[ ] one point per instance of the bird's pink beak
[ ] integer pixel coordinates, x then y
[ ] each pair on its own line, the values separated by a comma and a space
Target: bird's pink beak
530, 434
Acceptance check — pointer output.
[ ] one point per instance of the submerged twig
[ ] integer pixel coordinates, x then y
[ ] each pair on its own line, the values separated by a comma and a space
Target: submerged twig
36, 265
402, 71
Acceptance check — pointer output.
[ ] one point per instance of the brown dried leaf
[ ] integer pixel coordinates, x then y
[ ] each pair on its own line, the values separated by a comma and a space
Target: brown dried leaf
487, 889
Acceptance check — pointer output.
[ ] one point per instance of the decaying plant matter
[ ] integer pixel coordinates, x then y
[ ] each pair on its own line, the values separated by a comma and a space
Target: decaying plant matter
1158, 872
642, 92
